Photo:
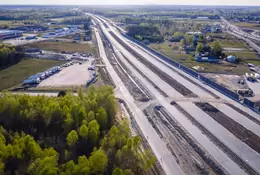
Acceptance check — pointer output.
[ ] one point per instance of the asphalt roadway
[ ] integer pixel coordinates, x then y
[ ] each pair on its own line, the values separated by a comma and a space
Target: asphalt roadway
237, 146
248, 155
229, 165
236, 31
167, 161
197, 90
158, 146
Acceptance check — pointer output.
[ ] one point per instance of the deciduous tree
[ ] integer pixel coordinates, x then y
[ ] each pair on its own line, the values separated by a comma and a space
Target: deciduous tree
72, 138
98, 161
91, 116
83, 131
199, 48
101, 118
217, 49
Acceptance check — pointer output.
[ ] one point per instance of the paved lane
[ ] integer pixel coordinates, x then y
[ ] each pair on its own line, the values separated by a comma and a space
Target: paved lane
236, 145
241, 119
169, 165
221, 157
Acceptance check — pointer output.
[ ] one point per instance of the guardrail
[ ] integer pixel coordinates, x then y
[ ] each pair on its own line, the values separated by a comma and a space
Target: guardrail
216, 86
252, 105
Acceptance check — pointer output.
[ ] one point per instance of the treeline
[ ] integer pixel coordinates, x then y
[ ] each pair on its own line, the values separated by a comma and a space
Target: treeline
192, 14
9, 55
158, 30
68, 135
189, 15
36, 14
151, 21
242, 14
77, 20
166, 25
145, 32
14, 23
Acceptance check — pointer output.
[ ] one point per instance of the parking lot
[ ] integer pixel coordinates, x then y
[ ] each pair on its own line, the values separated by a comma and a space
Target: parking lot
74, 75
255, 86
59, 56
21, 41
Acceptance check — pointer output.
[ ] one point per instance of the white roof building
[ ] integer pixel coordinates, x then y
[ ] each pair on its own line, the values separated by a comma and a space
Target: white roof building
231, 58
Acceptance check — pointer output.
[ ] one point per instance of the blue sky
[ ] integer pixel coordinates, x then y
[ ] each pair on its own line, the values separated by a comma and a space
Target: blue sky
137, 2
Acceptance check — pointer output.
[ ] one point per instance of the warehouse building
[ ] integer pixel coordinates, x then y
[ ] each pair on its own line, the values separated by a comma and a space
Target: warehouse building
6, 34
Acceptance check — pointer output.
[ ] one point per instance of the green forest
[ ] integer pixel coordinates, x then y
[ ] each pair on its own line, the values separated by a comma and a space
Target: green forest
68, 135
145, 31
9, 55
34, 13
77, 20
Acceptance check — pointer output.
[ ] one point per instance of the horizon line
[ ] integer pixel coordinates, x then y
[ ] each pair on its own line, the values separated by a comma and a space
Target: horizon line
128, 5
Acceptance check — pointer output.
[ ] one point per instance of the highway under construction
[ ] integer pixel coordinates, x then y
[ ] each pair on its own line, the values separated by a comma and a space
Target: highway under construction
191, 127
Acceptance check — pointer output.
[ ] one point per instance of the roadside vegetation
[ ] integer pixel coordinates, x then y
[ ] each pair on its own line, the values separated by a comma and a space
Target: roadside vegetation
156, 29
172, 38
17, 73
145, 32
183, 34
189, 61
218, 44
68, 135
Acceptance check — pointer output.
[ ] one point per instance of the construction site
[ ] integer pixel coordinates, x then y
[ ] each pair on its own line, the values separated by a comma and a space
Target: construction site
202, 129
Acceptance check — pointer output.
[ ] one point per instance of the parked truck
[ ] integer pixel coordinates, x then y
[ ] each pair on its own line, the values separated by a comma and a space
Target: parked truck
40, 75
31, 81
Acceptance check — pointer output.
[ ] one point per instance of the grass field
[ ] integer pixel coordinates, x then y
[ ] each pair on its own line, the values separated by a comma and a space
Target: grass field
248, 25
17, 73
165, 47
233, 43
62, 46
189, 61
255, 62
5, 22
244, 54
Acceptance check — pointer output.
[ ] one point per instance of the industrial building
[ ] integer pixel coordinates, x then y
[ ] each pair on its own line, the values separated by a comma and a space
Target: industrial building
6, 34
31, 37
209, 59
